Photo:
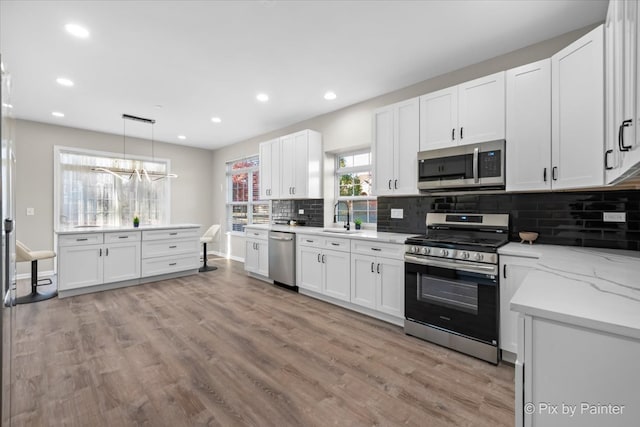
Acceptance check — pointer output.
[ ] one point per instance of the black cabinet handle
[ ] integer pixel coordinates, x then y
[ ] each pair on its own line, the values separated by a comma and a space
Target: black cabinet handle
554, 173
389, 184
107, 251
453, 134
378, 268
172, 247
123, 237
319, 258
461, 133
544, 175
395, 184
294, 190
372, 267
335, 244
100, 252
625, 124
81, 240
504, 271
173, 234
606, 160
172, 264
324, 258
376, 249
309, 241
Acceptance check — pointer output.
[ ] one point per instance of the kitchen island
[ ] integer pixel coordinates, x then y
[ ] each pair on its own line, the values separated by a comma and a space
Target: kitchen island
92, 259
578, 337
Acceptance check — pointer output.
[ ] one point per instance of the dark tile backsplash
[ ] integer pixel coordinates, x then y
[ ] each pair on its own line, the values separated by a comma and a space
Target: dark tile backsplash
573, 219
288, 209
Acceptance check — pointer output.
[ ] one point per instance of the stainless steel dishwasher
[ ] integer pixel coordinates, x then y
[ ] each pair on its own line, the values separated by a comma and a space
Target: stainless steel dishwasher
282, 257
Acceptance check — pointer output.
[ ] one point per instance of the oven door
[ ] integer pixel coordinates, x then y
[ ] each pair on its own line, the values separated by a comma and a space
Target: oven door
458, 296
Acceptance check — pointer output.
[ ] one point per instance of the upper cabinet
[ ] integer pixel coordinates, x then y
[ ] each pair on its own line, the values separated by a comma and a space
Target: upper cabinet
471, 112
395, 148
577, 105
291, 166
529, 127
622, 38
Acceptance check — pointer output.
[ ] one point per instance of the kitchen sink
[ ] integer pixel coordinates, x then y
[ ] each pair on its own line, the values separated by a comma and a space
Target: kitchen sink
340, 230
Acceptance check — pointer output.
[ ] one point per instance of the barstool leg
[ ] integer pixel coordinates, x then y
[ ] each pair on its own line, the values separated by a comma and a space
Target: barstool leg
205, 267
36, 296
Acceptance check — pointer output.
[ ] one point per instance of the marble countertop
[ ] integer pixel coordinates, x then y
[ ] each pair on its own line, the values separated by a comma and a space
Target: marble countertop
588, 287
108, 229
360, 235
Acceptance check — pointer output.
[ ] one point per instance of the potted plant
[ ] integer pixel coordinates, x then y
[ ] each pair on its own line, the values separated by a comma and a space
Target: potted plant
358, 223
136, 221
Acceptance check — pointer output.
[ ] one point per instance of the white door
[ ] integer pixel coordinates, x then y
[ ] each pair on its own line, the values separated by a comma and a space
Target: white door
578, 113
439, 119
391, 286
407, 142
287, 166
251, 256
263, 258
309, 269
80, 266
121, 262
481, 109
301, 165
383, 150
363, 280
529, 127
337, 274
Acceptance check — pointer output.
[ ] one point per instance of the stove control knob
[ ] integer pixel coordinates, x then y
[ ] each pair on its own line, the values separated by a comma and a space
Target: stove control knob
464, 255
414, 249
478, 257
424, 250
444, 252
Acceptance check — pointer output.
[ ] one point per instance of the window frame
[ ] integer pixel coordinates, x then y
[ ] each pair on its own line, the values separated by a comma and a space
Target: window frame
353, 169
250, 203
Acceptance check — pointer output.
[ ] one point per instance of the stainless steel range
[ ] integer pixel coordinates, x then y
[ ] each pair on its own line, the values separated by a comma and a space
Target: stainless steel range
451, 282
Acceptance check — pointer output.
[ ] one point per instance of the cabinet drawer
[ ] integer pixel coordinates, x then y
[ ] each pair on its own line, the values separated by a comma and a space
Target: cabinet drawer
80, 239
123, 237
388, 250
337, 244
169, 247
164, 265
310, 240
257, 234
176, 233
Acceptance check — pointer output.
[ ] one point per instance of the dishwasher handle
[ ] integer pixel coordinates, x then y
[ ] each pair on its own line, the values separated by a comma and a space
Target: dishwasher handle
283, 239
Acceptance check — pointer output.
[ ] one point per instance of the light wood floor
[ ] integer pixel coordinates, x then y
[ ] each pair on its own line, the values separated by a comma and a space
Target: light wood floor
223, 349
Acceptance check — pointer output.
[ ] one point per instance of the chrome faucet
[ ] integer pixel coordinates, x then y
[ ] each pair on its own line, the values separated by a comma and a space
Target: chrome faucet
335, 213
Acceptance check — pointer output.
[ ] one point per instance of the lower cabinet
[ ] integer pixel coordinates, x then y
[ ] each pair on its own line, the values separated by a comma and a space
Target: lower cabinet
256, 254
325, 271
378, 283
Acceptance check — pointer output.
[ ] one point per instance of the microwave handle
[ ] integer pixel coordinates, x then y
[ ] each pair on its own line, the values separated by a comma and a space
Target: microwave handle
476, 152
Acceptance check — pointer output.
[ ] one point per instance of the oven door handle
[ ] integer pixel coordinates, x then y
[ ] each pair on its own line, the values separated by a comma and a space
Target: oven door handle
471, 268
476, 153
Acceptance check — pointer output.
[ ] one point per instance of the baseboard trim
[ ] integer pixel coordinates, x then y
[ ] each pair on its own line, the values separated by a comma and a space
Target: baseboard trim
224, 255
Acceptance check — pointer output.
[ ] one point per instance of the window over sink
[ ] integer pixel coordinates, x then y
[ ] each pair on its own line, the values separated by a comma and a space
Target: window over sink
354, 185
244, 206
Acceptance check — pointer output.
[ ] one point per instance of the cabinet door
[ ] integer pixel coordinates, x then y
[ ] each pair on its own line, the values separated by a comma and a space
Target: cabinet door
301, 164
578, 117
529, 127
337, 274
121, 262
630, 115
80, 266
383, 150
266, 171
407, 142
613, 91
263, 258
481, 109
514, 270
439, 119
390, 286
251, 256
309, 274
287, 166
363, 280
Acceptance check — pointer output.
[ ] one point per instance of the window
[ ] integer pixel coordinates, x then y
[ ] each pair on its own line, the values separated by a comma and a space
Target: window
243, 198
86, 195
353, 184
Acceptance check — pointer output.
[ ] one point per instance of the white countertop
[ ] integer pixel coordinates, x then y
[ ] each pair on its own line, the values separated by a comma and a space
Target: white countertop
360, 235
108, 229
593, 288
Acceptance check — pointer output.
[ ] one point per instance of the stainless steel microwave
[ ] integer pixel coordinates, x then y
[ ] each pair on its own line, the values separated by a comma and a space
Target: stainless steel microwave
463, 167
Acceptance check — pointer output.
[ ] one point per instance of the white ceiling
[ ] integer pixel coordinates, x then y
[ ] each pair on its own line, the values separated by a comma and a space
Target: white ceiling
199, 59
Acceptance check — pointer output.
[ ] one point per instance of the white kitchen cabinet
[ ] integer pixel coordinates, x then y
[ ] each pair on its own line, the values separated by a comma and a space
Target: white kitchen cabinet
513, 269
529, 127
363, 280
468, 113
256, 258
121, 261
395, 148
622, 38
291, 166
80, 266
270, 169
577, 105
323, 270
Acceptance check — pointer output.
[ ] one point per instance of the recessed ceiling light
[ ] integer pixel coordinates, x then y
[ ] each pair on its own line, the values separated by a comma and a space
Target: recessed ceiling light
182, 137
77, 30
57, 114
7, 105
64, 81
330, 96
262, 97
216, 119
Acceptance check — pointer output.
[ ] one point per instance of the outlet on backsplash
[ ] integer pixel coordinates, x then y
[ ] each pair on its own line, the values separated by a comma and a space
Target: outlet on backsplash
614, 216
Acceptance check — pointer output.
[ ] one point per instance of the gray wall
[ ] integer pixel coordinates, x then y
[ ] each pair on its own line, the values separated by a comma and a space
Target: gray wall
191, 199
351, 127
